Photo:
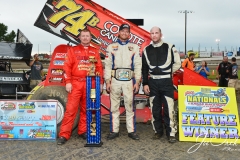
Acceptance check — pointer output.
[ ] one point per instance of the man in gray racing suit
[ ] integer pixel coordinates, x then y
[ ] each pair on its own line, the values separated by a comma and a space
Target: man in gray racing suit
159, 61
122, 75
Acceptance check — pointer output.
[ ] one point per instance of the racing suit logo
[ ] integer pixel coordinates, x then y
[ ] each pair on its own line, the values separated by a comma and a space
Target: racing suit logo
83, 63
115, 48
130, 48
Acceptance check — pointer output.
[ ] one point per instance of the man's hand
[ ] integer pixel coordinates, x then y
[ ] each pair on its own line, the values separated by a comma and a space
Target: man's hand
108, 87
69, 87
136, 88
146, 89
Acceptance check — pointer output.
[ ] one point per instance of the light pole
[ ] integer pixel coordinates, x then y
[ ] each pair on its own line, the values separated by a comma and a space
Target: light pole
50, 48
186, 12
218, 40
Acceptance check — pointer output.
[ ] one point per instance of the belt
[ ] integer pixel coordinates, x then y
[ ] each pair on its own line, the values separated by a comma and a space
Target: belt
160, 76
122, 74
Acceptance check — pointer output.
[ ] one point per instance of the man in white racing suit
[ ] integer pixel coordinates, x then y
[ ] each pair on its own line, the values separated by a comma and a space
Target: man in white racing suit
122, 75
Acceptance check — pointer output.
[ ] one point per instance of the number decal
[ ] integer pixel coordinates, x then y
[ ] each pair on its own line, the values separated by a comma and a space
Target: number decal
83, 18
71, 8
75, 18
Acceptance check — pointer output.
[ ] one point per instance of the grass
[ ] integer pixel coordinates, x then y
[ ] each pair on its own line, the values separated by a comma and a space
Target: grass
213, 77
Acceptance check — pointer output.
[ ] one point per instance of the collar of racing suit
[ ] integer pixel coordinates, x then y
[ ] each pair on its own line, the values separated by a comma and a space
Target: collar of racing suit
121, 42
157, 44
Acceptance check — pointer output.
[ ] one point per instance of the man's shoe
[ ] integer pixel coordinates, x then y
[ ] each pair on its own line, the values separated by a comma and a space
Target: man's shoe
112, 135
157, 135
172, 139
83, 136
133, 135
61, 140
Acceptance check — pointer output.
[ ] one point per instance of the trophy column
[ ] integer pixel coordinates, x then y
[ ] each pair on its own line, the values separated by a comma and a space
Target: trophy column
93, 113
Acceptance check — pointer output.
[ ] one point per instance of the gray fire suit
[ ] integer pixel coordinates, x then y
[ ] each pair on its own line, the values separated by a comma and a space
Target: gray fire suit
122, 55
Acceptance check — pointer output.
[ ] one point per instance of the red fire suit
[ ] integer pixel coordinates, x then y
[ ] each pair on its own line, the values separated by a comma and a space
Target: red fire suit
76, 67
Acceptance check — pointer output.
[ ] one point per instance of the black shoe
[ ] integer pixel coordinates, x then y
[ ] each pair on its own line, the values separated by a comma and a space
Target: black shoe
172, 139
61, 140
112, 135
83, 136
133, 135
157, 135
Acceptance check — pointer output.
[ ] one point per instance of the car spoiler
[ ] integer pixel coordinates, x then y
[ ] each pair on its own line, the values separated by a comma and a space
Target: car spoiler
66, 18
19, 51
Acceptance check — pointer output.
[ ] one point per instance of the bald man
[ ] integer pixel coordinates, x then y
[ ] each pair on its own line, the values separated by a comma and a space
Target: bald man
160, 60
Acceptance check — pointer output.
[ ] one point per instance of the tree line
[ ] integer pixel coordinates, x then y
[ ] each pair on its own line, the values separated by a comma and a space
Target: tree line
4, 36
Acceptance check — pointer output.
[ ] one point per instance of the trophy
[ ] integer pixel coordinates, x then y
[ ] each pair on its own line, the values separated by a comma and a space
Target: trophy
91, 72
93, 107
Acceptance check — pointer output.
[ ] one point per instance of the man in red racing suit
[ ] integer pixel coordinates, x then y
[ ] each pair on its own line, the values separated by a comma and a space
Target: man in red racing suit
76, 67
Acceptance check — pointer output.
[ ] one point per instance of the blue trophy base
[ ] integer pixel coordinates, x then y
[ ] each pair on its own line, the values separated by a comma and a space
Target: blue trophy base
94, 145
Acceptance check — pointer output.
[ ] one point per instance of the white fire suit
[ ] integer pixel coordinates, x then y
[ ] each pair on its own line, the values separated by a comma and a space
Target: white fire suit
122, 55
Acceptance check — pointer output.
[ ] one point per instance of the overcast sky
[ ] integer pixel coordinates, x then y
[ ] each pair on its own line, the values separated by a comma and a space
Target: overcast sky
211, 20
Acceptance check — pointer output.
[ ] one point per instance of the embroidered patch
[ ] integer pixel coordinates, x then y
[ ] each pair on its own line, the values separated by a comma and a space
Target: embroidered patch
92, 52
115, 48
130, 48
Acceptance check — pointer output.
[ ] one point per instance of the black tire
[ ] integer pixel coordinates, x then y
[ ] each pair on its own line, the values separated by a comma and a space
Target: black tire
57, 93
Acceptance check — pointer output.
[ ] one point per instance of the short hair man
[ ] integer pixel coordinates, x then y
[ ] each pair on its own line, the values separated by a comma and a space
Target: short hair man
233, 74
160, 60
36, 71
188, 62
122, 62
77, 67
222, 74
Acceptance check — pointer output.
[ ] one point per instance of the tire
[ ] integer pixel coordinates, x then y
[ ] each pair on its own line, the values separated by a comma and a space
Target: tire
55, 93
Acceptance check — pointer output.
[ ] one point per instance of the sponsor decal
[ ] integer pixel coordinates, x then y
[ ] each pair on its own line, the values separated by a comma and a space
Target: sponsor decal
83, 58
48, 117
57, 72
13, 79
8, 106
56, 79
58, 63
4, 135
47, 106
110, 30
30, 111
27, 105
60, 55
115, 48
7, 128
9, 57
92, 52
21, 111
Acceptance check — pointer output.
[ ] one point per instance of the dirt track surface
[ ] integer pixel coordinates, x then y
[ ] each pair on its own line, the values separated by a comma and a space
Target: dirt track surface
118, 149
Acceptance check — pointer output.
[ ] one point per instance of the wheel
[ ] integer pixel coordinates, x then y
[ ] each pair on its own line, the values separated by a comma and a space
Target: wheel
55, 93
